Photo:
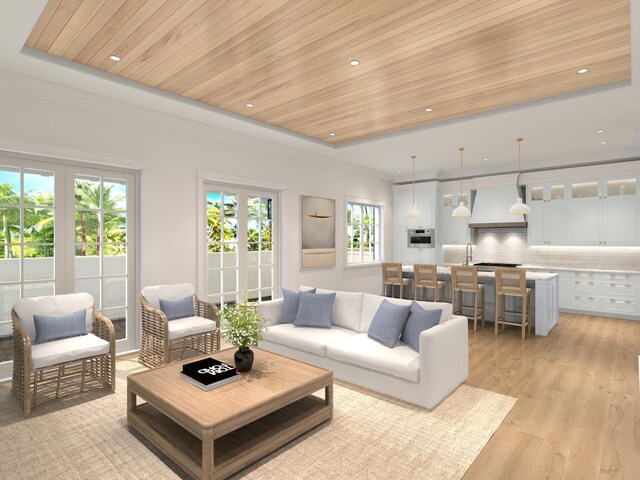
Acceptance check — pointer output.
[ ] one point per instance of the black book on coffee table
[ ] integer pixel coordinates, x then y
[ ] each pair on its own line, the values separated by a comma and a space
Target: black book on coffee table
209, 373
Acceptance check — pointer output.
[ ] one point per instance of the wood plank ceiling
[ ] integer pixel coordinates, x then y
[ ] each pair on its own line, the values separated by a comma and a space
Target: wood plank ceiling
291, 58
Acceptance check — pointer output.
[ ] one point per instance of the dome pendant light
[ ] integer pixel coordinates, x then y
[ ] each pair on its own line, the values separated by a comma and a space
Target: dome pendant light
413, 213
461, 210
519, 208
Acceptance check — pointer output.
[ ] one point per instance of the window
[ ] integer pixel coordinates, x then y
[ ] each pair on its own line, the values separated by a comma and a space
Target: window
364, 232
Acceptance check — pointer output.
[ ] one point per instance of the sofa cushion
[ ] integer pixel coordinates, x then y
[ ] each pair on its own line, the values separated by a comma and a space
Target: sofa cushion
50, 328
315, 310
67, 349
370, 304
310, 339
291, 303
388, 322
419, 320
154, 293
360, 350
346, 309
184, 327
174, 309
54, 305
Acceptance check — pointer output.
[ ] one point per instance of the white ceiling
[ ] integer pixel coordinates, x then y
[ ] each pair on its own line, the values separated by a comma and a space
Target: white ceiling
558, 131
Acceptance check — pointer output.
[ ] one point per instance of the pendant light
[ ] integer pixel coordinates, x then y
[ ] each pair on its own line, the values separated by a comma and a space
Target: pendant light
519, 208
461, 210
413, 213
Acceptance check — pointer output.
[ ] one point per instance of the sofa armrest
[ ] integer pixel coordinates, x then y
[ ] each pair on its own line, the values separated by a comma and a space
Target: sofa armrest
444, 359
271, 311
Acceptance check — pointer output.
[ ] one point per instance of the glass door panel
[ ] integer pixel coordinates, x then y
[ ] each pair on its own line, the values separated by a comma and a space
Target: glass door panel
101, 244
27, 242
239, 232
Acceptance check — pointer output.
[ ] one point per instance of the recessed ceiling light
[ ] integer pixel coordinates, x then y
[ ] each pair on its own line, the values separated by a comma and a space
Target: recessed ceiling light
399, 171
600, 131
428, 109
583, 70
249, 105
354, 62
380, 166
332, 134
115, 58
603, 142
486, 159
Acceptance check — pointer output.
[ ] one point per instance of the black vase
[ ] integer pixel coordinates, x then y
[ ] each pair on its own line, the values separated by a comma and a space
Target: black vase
243, 359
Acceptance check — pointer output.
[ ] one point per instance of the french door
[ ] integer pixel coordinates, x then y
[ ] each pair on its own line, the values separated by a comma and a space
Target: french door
241, 244
66, 229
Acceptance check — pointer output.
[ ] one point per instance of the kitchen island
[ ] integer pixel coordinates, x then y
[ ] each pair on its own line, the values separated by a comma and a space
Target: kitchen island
544, 290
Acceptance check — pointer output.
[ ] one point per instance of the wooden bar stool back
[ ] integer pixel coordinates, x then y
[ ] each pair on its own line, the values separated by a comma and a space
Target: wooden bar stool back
392, 276
464, 279
512, 282
425, 277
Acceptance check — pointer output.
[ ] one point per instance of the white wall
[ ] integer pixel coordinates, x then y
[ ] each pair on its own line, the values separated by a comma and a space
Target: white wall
38, 117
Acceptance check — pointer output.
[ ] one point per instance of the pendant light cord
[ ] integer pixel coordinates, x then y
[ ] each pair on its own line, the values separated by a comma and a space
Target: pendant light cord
461, 150
519, 140
413, 181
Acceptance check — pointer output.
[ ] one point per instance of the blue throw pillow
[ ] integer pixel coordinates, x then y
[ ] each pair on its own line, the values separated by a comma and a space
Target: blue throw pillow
314, 310
388, 322
290, 306
419, 320
55, 328
175, 309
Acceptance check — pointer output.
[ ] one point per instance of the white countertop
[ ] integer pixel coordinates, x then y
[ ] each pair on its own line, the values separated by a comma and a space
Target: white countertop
446, 270
573, 269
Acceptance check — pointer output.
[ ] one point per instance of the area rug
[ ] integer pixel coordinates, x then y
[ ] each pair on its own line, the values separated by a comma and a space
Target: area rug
370, 436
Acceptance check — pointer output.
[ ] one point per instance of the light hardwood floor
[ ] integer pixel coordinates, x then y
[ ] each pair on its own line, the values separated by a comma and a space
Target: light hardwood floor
578, 410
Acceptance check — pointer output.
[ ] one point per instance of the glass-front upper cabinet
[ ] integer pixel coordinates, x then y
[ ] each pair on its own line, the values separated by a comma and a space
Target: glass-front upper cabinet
620, 187
546, 193
611, 187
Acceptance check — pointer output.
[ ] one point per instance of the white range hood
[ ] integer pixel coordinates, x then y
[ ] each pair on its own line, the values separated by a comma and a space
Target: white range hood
491, 206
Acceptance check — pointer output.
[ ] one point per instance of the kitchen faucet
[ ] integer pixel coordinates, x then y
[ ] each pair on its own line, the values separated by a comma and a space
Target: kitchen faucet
469, 254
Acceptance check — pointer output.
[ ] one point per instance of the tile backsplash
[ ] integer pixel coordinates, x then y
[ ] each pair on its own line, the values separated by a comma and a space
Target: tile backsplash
509, 245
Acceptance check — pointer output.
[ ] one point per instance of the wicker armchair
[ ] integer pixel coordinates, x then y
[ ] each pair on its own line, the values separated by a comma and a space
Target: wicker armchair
50, 370
162, 339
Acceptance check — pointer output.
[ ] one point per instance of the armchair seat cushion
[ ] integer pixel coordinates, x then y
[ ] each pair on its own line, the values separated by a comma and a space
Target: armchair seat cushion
184, 327
67, 349
401, 361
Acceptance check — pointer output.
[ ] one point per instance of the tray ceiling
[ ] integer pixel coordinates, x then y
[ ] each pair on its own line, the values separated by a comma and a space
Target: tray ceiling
290, 59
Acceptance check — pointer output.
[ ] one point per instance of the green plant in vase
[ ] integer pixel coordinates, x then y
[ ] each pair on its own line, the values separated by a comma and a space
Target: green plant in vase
242, 327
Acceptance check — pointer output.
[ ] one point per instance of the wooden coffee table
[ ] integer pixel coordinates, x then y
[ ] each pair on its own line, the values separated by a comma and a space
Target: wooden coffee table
214, 434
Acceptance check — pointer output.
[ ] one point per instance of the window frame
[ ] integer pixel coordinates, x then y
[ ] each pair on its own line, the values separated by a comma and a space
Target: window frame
363, 202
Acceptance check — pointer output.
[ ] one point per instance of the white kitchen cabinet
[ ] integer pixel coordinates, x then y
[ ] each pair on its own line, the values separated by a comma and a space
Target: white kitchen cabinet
450, 230
603, 212
425, 202
600, 293
547, 223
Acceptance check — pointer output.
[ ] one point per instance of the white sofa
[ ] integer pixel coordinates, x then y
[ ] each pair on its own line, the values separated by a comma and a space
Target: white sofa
424, 378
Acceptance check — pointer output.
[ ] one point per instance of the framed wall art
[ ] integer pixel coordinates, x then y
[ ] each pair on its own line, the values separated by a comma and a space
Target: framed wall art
318, 232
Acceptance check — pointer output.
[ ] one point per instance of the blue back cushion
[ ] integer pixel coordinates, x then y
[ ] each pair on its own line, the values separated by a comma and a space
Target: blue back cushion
290, 305
175, 309
314, 310
55, 328
388, 322
419, 320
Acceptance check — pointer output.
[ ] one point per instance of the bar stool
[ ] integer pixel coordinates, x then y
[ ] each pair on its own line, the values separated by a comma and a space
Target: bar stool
392, 275
425, 277
511, 282
465, 279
